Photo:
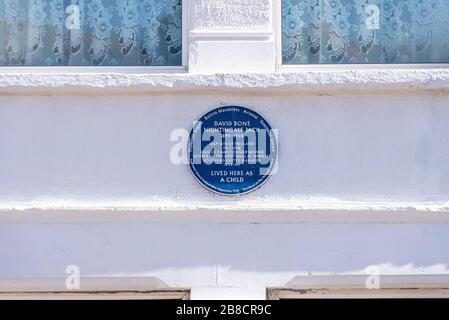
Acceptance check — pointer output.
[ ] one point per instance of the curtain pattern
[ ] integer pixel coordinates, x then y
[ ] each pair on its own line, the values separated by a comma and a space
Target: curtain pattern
108, 33
365, 31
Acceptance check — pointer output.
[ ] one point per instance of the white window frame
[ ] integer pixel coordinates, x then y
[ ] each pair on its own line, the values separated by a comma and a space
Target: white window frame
185, 22
277, 21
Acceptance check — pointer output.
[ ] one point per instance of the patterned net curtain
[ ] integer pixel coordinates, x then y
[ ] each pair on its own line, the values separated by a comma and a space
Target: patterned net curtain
90, 32
365, 31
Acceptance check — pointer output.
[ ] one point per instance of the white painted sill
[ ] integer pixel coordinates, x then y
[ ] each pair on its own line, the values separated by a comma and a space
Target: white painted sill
304, 81
341, 286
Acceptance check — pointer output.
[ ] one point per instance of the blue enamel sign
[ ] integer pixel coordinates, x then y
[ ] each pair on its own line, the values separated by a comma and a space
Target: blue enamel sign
232, 150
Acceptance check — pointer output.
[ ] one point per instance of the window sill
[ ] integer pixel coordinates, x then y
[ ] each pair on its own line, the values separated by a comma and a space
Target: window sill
300, 81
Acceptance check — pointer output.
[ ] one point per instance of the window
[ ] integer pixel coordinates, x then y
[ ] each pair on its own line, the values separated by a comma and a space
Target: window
365, 31
90, 33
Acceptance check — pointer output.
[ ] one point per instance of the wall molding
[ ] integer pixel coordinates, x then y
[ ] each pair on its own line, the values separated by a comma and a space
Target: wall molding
84, 81
87, 284
91, 287
353, 286
35, 216
231, 35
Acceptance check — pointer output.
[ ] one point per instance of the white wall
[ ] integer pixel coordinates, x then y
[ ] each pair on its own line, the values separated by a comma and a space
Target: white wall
96, 151
86, 177
341, 153
214, 258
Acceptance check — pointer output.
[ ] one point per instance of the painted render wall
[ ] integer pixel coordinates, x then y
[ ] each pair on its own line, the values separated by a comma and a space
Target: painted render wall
342, 161
93, 151
86, 177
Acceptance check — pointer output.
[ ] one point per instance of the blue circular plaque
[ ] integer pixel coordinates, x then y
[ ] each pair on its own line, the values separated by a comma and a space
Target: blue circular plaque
232, 150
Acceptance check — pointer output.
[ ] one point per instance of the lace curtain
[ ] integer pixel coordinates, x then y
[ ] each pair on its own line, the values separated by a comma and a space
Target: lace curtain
90, 32
365, 31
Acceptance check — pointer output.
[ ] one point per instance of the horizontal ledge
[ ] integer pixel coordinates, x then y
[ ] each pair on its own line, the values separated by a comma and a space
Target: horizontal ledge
88, 284
353, 281
58, 216
304, 81
230, 31
361, 286
234, 35
228, 204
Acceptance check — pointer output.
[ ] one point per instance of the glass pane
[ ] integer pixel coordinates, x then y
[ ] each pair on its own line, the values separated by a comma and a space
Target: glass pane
365, 31
90, 32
